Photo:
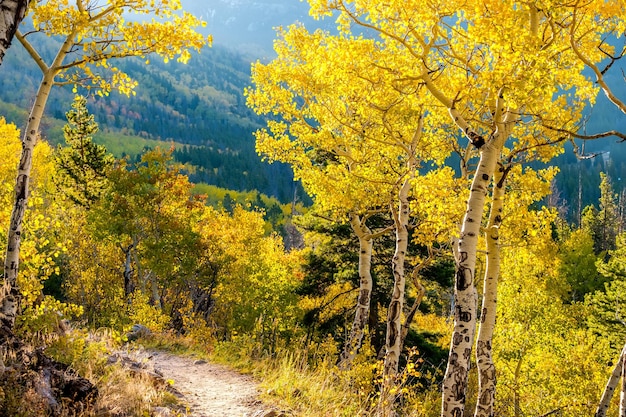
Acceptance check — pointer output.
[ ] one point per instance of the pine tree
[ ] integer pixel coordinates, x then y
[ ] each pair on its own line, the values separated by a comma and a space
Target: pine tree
603, 222
82, 165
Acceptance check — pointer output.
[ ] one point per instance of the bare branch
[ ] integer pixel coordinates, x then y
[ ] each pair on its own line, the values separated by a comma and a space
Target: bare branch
576, 135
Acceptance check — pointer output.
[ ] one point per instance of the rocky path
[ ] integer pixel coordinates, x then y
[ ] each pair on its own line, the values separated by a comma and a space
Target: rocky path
210, 390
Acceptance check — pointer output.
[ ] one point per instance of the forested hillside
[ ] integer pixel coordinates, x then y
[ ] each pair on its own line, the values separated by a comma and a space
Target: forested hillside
199, 104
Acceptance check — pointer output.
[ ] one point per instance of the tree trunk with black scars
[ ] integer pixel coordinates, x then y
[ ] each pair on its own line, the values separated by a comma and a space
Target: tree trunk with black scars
357, 332
34, 368
401, 215
11, 296
394, 340
611, 386
465, 295
128, 272
11, 15
393, 346
484, 359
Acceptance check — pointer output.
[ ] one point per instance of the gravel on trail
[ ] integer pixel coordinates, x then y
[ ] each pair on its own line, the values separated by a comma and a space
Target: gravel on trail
208, 389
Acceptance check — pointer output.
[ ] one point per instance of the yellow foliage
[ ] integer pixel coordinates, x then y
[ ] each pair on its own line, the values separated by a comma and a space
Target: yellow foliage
439, 204
97, 32
434, 323
347, 131
39, 248
142, 312
338, 298
546, 358
258, 277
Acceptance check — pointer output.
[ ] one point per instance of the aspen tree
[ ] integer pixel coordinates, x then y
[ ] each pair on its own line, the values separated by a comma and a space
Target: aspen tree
366, 283
93, 33
329, 158
484, 359
501, 69
354, 139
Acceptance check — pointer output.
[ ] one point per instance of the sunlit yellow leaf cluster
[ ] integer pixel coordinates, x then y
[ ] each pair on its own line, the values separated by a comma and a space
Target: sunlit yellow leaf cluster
438, 204
96, 32
252, 288
40, 255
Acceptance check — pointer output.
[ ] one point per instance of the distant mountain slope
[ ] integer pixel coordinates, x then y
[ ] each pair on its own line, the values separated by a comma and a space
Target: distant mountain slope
200, 104
248, 25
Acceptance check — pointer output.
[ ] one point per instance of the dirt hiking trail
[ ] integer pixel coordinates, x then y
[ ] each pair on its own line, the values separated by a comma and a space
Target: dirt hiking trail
209, 390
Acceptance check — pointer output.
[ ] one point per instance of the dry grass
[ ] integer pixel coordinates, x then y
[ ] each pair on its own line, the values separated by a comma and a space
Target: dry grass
305, 381
121, 392
124, 394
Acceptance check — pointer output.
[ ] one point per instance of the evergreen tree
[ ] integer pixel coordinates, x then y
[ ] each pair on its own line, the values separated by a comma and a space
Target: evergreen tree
578, 265
603, 222
228, 203
608, 307
608, 215
82, 165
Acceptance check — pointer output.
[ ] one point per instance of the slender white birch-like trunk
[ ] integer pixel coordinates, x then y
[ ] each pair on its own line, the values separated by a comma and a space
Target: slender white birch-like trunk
401, 215
393, 346
609, 390
484, 359
455, 378
11, 14
361, 316
394, 338
10, 296
611, 386
465, 296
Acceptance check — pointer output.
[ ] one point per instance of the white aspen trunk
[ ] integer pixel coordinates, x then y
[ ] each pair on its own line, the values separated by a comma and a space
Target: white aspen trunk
366, 284
622, 395
455, 379
465, 297
484, 359
393, 347
11, 296
401, 215
11, 14
394, 339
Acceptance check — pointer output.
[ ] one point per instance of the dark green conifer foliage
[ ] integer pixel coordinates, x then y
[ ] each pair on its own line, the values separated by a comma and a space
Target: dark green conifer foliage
603, 222
82, 164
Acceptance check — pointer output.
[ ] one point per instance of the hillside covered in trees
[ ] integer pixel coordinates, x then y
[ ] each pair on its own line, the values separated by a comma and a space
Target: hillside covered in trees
199, 106
441, 269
